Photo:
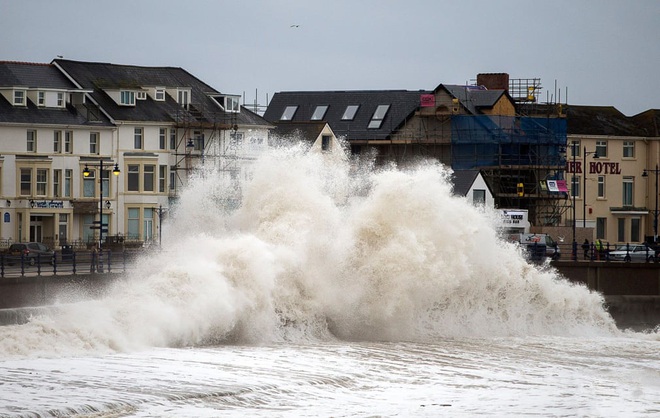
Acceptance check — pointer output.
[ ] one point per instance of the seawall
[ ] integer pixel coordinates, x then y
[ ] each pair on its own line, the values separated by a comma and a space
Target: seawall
631, 291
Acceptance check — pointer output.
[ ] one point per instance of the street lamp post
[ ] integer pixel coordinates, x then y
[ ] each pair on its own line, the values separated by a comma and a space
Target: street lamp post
655, 212
584, 180
100, 225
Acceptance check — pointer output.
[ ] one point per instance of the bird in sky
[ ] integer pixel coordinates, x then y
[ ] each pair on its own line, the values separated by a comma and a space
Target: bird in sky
295, 26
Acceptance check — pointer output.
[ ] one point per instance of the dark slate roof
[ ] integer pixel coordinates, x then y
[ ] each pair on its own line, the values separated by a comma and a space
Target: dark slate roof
601, 120
649, 121
33, 75
473, 97
39, 76
402, 104
99, 76
298, 130
463, 180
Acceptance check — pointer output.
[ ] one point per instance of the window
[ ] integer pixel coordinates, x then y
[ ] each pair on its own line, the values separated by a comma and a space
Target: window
325, 143
133, 178
162, 176
57, 183
89, 184
19, 97
31, 141
628, 186
349, 113
621, 230
601, 224
601, 149
183, 97
26, 181
479, 197
628, 149
94, 143
173, 139
141, 95
68, 175
127, 98
60, 99
289, 112
634, 229
57, 141
105, 179
68, 142
162, 138
575, 148
232, 104
172, 179
159, 95
41, 99
42, 182
319, 112
198, 140
149, 172
601, 186
148, 225
575, 186
378, 117
137, 138
133, 223
236, 138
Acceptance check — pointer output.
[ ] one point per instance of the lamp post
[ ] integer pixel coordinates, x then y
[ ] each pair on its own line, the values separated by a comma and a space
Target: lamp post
86, 173
655, 212
584, 171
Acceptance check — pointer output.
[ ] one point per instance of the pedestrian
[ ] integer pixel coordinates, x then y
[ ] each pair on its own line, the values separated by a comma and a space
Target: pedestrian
585, 248
599, 248
92, 265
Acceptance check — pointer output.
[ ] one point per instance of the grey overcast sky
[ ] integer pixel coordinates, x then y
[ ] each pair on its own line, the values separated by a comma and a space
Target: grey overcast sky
595, 52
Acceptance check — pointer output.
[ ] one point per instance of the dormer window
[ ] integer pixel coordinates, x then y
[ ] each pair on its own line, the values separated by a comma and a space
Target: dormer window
378, 116
319, 112
127, 98
159, 95
229, 104
60, 99
41, 98
288, 113
19, 97
141, 95
183, 97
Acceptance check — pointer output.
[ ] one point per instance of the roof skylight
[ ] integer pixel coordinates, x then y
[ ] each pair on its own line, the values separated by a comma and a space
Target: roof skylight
379, 115
288, 113
349, 113
319, 112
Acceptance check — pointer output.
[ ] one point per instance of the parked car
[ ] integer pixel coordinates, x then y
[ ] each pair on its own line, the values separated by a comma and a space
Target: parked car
633, 252
30, 253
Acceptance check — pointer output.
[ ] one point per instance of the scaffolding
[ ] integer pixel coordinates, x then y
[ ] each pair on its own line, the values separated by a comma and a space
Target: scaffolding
204, 136
518, 155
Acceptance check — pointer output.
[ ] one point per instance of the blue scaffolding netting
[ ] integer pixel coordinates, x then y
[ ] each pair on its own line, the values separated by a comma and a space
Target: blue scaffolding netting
487, 141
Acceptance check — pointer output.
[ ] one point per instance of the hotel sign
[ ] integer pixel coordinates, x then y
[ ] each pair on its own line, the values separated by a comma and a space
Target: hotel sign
594, 167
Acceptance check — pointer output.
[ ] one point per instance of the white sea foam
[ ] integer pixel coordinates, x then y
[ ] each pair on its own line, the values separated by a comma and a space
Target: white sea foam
321, 249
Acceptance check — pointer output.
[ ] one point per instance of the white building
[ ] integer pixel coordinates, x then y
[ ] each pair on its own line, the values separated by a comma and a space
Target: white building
153, 124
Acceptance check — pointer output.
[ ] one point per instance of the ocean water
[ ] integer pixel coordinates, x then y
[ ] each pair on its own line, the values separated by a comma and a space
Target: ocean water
335, 289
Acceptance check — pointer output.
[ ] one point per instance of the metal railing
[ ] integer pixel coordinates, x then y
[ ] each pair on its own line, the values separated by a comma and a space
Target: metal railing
65, 263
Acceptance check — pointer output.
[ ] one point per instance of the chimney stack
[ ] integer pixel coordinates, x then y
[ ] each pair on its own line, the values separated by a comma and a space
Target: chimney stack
494, 81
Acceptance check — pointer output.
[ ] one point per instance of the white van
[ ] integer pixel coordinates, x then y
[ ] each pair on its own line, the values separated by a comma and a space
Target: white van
539, 245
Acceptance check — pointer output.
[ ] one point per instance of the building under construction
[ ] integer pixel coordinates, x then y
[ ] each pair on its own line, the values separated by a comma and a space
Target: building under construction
496, 125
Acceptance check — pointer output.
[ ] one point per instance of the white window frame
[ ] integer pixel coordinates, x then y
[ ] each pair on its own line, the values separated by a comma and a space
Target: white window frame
141, 95
94, 146
629, 148
20, 98
31, 140
159, 95
127, 98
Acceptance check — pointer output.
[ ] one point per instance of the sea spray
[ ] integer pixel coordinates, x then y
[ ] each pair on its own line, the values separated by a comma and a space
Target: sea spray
321, 249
